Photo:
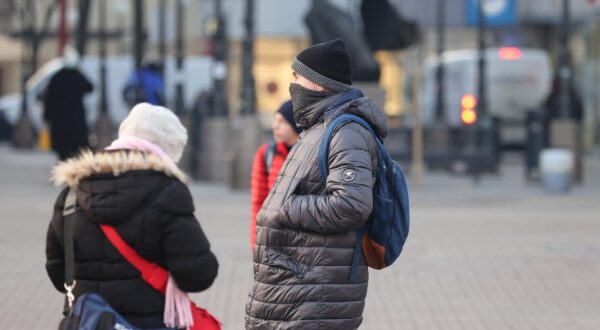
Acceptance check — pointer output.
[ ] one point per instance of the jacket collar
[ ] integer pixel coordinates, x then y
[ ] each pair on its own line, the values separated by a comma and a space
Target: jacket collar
313, 114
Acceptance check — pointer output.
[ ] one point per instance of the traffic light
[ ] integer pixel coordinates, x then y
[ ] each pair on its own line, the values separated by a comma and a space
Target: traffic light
468, 114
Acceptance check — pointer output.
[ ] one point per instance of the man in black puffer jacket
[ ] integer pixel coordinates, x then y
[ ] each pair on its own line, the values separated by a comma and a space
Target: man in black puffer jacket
305, 233
144, 197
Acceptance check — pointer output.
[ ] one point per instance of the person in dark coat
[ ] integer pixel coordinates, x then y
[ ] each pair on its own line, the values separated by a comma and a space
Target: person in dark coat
553, 103
269, 158
64, 111
306, 228
136, 187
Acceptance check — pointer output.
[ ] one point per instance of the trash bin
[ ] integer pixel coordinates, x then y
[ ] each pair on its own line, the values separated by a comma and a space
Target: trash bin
556, 167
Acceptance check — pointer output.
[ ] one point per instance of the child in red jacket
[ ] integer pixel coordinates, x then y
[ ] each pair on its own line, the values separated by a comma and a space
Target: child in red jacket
269, 158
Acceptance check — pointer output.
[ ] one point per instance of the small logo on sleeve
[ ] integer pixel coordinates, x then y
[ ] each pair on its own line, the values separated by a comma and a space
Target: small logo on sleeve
349, 175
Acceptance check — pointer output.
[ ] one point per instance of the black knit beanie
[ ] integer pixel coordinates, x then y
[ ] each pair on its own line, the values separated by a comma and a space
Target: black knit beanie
327, 64
287, 111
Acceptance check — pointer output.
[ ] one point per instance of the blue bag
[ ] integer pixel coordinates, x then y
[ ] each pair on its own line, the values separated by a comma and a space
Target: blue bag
92, 312
382, 237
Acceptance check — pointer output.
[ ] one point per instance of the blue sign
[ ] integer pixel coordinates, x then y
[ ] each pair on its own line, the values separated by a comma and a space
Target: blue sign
497, 12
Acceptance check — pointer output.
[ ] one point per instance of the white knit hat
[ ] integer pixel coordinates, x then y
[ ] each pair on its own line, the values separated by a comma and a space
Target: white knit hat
158, 125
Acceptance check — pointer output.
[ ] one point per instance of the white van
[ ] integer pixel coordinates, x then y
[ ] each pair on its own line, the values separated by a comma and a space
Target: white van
518, 79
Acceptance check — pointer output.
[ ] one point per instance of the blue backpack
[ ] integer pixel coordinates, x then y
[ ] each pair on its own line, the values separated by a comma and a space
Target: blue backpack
382, 237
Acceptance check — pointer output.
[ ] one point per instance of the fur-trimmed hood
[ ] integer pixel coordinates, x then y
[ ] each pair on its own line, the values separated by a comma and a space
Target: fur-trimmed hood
113, 185
88, 163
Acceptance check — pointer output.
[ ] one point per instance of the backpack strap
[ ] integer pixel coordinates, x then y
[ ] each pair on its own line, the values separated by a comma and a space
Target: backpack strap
331, 129
323, 163
269, 155
356, 256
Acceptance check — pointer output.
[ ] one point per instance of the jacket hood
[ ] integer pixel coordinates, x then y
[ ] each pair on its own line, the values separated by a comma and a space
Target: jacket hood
365, 108
111, 186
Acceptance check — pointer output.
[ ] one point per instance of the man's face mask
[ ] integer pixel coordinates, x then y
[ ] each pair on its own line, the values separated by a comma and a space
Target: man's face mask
303, 97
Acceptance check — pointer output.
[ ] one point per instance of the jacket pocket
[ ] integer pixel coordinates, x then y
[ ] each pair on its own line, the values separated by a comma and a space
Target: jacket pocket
279, 260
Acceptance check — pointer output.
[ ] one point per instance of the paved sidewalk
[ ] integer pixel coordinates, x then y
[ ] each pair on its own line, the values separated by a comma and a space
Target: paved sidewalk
498, 255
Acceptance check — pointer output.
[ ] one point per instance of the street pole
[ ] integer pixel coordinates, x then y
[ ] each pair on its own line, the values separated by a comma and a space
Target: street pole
565, 71
24, 133
103, 130
438, 132
102, 24
138, 40
26, 60
247, 130
219, 98
248, 92
84, 9
565, 130
479, 142
162, 48
218, 136
138, 37
417, 131
179, 53
482, 87
63, 34
440, 111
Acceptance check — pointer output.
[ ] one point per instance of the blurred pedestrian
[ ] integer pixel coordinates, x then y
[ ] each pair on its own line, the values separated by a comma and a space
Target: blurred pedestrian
553, 103
307, 226
270, 157
64, 111
145, 85
136, 188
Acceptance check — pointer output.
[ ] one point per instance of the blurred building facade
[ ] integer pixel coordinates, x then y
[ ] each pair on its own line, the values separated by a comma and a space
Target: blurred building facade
281, 32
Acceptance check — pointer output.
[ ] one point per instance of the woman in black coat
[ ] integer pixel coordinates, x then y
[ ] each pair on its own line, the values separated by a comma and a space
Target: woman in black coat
64, 111
135, 187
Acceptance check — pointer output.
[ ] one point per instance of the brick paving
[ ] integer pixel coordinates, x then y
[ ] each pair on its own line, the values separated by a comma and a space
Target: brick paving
498, 255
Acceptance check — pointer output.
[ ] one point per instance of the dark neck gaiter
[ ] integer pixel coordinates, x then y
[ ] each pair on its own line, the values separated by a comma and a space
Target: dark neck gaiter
306, 104
303, 97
